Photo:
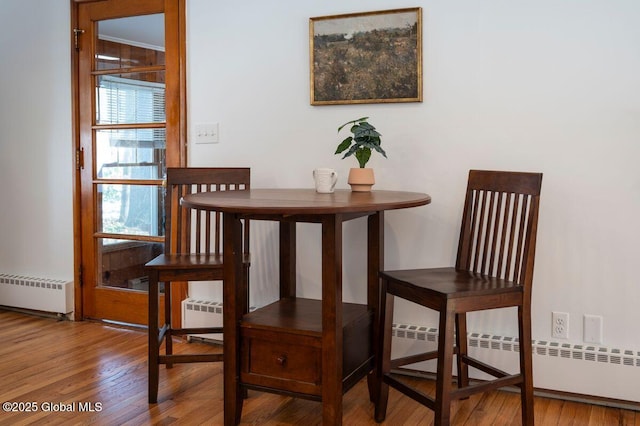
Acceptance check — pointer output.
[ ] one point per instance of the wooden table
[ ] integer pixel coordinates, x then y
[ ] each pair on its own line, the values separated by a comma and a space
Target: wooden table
300, 347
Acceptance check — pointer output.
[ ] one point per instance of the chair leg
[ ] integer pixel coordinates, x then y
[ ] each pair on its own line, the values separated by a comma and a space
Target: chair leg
383, 352
168, 340
154, 347
461, 345
445, 364
526, 364
245, 391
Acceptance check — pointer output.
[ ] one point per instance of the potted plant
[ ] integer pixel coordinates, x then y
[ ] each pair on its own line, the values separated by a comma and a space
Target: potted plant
365, 138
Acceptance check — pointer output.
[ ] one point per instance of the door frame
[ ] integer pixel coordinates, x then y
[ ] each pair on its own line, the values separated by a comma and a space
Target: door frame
175, 38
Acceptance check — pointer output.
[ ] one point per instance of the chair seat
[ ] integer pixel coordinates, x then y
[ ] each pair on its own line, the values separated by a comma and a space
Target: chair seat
449, 283
493, 269
190, 261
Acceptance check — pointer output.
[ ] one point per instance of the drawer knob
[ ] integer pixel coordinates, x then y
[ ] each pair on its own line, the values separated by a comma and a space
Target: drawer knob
281, 360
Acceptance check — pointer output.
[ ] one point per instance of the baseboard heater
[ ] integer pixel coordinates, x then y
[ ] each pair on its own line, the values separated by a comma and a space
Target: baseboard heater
37, 294
596, 374
540, 347
203, 313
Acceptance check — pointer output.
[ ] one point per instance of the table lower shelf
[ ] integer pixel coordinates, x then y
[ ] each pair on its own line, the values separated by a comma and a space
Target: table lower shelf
281, 347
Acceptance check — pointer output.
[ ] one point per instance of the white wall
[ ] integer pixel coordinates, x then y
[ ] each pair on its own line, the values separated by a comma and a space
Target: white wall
36, 150
550, 86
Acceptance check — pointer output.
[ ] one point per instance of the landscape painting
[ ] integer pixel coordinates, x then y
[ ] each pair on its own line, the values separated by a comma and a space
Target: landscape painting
370, 57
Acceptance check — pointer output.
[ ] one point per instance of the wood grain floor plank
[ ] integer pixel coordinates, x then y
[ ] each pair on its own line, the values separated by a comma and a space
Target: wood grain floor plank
60, 363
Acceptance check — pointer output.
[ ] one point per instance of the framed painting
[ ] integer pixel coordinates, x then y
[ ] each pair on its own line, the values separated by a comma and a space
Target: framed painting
369, 57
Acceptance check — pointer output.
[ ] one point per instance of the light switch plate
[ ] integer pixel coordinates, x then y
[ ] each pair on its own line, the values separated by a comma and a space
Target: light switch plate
206, 133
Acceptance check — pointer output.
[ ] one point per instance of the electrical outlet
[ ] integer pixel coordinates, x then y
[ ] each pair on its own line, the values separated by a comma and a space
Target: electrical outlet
560, 325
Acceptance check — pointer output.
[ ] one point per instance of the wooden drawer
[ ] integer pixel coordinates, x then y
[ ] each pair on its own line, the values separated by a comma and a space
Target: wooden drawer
281, 346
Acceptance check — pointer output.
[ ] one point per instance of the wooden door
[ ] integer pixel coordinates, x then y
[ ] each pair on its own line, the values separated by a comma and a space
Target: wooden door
130, 127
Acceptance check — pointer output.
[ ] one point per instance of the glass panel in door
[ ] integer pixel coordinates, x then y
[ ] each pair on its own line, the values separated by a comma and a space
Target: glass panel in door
129, 148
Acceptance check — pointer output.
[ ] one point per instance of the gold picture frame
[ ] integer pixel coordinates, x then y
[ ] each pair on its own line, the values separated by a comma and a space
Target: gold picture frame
369, 57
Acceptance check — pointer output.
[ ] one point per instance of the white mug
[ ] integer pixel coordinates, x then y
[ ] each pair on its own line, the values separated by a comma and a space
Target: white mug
325, 180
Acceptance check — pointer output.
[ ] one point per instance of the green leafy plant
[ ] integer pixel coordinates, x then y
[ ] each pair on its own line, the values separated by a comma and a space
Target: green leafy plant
364, 139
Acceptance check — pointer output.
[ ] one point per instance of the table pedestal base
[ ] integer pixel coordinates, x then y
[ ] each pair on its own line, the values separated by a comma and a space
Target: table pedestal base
282, 347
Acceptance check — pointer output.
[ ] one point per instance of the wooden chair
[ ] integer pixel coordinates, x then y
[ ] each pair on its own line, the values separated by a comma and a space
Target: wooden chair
494, 269
193, 243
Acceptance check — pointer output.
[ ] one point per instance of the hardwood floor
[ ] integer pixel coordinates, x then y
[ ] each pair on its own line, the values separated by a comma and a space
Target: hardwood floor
71, 368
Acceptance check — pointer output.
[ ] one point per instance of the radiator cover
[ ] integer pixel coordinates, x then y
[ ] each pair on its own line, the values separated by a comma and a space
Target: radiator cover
39, 294
202, 313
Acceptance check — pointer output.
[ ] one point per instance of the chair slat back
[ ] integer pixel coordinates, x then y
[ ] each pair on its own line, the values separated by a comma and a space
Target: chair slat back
499, 225
191, 231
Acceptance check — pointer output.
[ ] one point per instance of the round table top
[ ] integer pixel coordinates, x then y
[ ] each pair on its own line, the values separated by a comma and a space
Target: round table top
303, 201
